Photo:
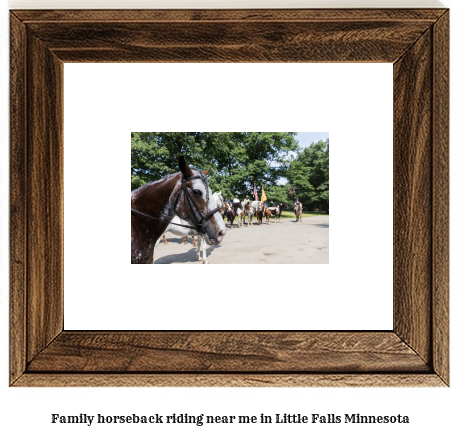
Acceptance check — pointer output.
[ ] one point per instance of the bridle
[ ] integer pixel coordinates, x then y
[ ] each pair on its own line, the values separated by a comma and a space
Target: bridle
199, 224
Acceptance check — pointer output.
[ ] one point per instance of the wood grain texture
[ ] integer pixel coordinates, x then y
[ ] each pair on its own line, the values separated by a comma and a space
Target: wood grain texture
18, 189
441, 195
414, 354
230, 380
245, 41
236, 352
45, 178
413, 196
204, 15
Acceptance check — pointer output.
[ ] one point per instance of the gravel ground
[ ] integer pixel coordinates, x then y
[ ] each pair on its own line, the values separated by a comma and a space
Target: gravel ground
287, 242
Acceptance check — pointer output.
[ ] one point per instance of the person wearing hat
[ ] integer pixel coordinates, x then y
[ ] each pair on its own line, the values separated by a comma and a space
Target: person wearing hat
298, 203
236, 200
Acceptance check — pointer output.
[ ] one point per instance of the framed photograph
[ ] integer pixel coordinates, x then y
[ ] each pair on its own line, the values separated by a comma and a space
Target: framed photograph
233, 162
415, 352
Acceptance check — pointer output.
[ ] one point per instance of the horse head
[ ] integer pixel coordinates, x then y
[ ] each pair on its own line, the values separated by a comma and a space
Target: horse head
197, 203
219, 199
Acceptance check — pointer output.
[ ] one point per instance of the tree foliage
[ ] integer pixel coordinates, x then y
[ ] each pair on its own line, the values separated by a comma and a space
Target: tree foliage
236, 161
308, 176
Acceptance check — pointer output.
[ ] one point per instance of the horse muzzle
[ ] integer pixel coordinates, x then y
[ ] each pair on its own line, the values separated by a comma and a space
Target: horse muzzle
213, 241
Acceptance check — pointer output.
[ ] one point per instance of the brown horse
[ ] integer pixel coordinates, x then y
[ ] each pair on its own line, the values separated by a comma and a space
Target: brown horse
274, 210
261, 213
232, 213
153, 206
250, 211
259, 216
268, 214
299, 213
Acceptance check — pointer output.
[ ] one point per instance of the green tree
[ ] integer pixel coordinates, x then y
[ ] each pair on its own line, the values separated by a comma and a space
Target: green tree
153, 155
236, 160
278, 194
308, 176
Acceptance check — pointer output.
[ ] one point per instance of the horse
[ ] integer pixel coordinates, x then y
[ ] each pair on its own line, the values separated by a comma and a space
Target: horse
154, 205
219, 203
267, 213
264, 211
180, 231
256, 206
234, 211
281, 207
277, 211
299, 212
229, 214
274, 210
245, 202
185, 231
249, 211
259, 212
259, 216
240, 214
219, 199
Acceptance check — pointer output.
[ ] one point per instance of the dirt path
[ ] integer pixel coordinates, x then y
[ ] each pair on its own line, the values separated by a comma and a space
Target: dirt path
286, 242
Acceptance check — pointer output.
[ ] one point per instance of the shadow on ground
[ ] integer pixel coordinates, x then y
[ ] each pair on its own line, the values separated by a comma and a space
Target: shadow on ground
323, 226
189, 256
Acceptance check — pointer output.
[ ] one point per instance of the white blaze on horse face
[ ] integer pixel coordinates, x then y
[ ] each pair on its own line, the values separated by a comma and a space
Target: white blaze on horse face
217, 216
199, 185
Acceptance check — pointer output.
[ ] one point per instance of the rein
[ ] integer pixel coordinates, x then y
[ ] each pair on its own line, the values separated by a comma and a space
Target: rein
158, 219
199, 224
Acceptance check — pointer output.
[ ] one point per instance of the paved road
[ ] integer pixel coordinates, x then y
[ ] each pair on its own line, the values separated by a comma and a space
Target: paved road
287, 242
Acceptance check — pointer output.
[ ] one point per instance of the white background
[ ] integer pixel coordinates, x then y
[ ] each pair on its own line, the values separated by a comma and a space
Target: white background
104, 291
430, 410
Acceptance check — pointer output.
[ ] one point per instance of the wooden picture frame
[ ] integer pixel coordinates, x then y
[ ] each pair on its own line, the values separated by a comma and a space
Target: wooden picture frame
414, 353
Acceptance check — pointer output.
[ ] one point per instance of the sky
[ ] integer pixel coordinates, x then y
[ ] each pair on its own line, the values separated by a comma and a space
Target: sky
305, 139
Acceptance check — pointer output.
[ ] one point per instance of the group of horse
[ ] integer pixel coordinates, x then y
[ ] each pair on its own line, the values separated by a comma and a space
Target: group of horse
184, 205
241, 211
250, 209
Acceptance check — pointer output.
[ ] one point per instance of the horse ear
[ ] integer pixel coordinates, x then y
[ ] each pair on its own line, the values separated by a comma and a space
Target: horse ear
186, 171
206, 172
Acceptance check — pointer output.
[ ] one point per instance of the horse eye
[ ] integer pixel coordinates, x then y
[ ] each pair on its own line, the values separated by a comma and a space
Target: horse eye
197, 192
